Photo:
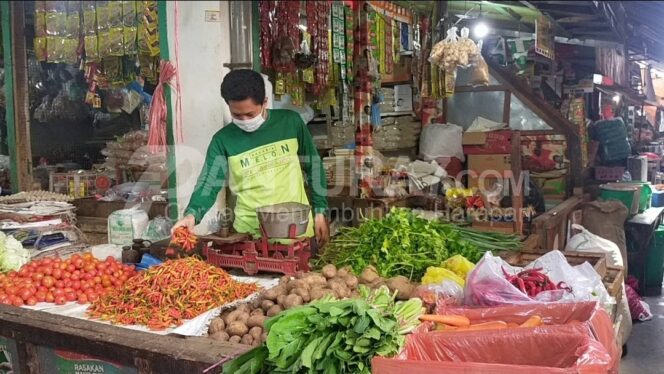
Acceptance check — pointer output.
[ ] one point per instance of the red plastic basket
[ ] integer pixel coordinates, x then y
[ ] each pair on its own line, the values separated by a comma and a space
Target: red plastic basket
275, 258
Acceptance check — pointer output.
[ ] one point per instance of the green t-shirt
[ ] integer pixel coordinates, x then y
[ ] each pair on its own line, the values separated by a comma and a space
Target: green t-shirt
263, 168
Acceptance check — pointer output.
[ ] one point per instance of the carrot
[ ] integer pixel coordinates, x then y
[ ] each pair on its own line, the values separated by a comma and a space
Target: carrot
493, 325
444, 327
446, 319
533, 321
512, 325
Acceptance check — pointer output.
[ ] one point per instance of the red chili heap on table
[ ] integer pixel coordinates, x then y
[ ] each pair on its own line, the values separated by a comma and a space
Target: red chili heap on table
182, 240
165, 295
533, 281
81, 278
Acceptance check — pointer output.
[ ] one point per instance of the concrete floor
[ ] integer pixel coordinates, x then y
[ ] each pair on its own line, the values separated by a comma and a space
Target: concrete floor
645, 347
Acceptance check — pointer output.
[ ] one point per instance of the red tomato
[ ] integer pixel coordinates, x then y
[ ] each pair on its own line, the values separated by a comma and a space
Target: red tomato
60, 300
25, 293
24, 272
106, 282
68, 289
57, 273
78, 263
96, 280
48, 281
5, 300
40, 296
47, 270
12, 274
82, 299
49, 297
17, 301
89, 267
31, 301
76, 285
63, 265
93, 297
68, 283
87, 256
70, 268
59, 284
70, 296
10, 290
75, 277
58, 292
66, 275
124, 277
102, 266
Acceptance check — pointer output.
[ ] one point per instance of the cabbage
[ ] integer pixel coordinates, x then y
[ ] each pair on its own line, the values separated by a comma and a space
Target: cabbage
12, 253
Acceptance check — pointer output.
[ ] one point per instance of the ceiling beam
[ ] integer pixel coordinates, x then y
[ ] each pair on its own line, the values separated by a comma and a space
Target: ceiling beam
578, 19
517, 17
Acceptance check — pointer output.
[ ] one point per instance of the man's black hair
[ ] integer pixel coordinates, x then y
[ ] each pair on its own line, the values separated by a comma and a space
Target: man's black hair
243, 84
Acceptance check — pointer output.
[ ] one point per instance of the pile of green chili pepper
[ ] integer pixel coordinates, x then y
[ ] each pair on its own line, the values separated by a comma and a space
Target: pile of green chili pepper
165, 295
403, 244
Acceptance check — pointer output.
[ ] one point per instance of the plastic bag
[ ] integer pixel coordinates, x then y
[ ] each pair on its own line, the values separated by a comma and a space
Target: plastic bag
459, 265
586, 241
638, 308
158, 229
486, 285
499, 351
441, 140
125, 225
444, 294
480, 74
435, 275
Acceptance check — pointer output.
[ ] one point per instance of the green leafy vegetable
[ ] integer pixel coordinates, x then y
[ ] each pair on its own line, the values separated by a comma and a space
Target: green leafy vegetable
12, 253
404, 244
332, 336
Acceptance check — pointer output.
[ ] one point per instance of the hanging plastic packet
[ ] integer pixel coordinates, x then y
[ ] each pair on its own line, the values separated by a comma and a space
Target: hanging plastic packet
40, 24
40, 6
51, 21
91, 43
129, 13
450, 82
73, 25
116, 42
102, 18
41, 53
115, 14
70, 53
104, 44
89, 18
129, 39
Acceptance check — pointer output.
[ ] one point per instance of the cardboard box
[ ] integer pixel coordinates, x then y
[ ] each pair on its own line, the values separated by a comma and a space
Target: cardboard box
488, 166
490, 142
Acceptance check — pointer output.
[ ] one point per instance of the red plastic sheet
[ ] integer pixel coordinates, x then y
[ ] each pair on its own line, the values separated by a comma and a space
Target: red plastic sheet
578, 338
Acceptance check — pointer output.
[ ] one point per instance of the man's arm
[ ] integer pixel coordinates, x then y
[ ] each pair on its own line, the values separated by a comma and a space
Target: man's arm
209, 183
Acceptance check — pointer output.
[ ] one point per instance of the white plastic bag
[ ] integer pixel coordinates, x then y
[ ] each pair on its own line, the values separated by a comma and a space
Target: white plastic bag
441, 140
586, 241
487, 285
125, 225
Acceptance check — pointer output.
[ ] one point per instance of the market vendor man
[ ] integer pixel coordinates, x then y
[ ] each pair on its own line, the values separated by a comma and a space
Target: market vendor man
261, 154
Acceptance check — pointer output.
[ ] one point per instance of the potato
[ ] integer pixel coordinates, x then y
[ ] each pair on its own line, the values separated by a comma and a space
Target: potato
235, 339
281, 299
256, 343
243, 317
274, 292
256, 320
237, 328
264, 336
232, 316
267, 304
276, 309
329, 271
284, 280
319, 293
220, 335
256, 332
369, 275
257, 312
247, 339
216, 325
304, 294
344, 271
339, 287
300, 283
402, 285
256, 303
244, 307
351, 281
292, 301
315, 278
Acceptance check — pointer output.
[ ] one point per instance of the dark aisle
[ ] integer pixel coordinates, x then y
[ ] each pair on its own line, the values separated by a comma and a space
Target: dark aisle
646, 344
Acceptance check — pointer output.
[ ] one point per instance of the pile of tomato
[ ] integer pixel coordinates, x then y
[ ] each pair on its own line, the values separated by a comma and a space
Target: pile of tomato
81, 278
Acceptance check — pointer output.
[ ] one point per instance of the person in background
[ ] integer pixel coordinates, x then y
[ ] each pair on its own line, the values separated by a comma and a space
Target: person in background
261, 154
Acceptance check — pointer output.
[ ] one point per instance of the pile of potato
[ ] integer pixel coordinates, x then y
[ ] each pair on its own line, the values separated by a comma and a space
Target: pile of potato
404, 287
244, 323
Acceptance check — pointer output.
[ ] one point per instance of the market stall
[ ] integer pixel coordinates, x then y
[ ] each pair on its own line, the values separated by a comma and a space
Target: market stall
458, 179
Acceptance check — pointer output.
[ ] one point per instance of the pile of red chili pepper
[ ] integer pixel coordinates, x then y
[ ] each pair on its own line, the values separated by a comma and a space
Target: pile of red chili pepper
165, 295
183, 242
533, 281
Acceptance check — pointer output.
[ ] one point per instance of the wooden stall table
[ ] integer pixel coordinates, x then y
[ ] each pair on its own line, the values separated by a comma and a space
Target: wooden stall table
639, 231
41, 342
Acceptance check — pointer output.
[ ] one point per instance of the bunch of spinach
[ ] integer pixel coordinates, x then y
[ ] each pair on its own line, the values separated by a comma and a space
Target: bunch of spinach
332, 336
399, 244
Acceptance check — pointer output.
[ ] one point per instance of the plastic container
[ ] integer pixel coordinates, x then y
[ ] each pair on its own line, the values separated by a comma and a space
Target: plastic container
655, 260
280, 220
645, 193
606, 173
629, 195
657, 199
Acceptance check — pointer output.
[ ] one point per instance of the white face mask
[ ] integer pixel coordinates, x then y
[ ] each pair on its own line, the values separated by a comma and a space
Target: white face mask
250, 125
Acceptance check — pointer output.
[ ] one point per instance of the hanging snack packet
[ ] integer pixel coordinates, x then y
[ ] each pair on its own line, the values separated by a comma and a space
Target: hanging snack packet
73, 6
70, 53
102, 18
91, 47
115, 14
129, 13
40, 24
129, 34
115, 42
41, 54
104, 44
73, 25
89, 20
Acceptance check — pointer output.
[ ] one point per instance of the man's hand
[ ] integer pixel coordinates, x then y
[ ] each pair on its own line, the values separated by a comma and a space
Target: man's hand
322, 230
187, 221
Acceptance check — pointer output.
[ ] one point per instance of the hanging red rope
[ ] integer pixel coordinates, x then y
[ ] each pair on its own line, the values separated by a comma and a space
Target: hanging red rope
158, 110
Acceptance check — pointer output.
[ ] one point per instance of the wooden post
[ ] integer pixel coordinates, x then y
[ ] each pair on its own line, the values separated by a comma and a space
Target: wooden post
16, 88
518, 191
